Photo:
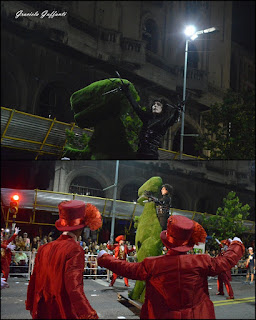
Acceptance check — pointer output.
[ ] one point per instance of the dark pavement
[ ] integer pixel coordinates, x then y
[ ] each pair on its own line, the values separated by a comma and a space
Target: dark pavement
104, 299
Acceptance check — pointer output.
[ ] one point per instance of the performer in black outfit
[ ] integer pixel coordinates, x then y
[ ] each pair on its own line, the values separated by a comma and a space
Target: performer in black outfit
163, 203
155, 124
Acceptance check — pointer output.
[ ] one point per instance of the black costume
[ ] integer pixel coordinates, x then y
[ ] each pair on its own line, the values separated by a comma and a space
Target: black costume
153, 129
164, 205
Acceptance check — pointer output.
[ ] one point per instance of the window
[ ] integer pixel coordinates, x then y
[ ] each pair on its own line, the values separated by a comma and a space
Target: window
150, 35
86, 185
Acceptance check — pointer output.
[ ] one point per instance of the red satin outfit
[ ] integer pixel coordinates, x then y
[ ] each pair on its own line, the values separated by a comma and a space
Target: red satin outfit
225, 278
6, 257
55, 289
176, 283
121, 255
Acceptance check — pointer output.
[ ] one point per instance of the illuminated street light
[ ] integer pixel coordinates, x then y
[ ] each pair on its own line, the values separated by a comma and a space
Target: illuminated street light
190, 30
191, 34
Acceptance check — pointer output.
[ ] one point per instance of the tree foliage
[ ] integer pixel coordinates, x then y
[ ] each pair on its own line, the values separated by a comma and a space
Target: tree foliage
230, 127
228, 221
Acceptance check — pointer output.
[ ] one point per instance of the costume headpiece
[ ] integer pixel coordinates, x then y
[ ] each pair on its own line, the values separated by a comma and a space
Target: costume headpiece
75, 214
182, 233
119, 238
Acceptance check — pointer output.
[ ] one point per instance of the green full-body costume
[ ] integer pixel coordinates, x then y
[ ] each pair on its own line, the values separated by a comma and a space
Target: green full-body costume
147, 240
108, 111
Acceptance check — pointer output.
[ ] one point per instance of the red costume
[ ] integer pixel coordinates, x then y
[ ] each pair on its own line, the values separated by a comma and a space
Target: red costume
55, 288
224, 278
6, 256
176, 283
121, 252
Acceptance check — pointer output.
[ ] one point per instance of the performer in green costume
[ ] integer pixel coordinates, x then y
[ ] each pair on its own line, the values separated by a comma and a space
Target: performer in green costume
103, 107
147, 240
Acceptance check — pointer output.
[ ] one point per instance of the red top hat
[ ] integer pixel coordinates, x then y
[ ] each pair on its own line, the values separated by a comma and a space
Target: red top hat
182, 234
75, 214
119, 238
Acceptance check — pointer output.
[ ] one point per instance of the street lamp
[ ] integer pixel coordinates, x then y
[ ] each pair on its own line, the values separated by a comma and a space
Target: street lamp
191, 34
114, 203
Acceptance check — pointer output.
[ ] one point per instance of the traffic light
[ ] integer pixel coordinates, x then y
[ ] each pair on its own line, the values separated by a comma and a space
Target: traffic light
14, 204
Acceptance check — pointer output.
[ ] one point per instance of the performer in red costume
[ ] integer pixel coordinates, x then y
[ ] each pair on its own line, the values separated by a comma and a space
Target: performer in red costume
121, 251
55, 289
176, 283
6, 254
225, 276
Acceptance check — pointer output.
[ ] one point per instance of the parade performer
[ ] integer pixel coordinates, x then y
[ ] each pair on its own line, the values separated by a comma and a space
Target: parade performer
176, 283
6, 254
163, 203
103, 107
55, 289
155, 123
121, 252
147, 239
225, 276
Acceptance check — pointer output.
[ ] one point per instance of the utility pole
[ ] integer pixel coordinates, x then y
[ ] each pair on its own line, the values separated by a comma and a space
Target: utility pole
114, 203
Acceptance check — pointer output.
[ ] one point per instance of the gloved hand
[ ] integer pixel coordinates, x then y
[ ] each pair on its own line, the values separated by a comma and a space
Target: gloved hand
148, 193
17, 230
237, 239
101, 253
4, 284
11, 246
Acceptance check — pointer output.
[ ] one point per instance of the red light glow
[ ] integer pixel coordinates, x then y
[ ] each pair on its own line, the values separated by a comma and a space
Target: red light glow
16, 197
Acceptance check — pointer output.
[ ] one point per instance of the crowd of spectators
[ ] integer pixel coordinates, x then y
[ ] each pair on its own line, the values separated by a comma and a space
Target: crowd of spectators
25, 245
91, 249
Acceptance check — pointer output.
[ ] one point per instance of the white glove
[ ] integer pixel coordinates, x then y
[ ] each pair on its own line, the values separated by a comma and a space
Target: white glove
101, 253
4, 284
17, 230
11, 246
230, 240
237, 239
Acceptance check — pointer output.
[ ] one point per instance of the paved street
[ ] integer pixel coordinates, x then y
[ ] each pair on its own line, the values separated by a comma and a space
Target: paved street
104, 300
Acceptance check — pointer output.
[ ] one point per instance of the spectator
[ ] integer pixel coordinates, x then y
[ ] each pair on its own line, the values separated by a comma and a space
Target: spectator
34, 244
84, 246
26, 241
20, 258
45, 239
250, 265
92, 263
213, 253
80, 241
20, 243
207, 252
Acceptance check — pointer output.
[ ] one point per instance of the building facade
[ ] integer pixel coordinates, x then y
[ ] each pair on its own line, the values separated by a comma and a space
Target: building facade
45, 59
198, 185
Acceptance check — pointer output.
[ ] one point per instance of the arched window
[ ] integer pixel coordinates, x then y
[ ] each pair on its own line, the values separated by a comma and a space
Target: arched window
150, 35
129, 192
54, 102
86, 185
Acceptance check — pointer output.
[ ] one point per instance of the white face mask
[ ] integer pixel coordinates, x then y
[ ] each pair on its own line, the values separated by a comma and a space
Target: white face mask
157, 107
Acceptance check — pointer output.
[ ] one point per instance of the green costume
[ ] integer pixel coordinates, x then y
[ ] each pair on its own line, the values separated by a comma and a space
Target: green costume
115, 124
147, 240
